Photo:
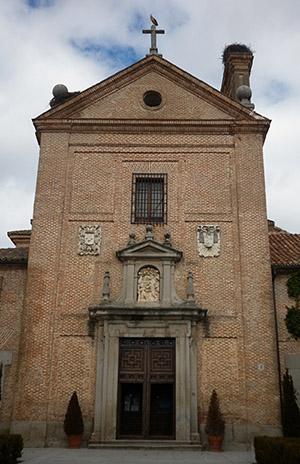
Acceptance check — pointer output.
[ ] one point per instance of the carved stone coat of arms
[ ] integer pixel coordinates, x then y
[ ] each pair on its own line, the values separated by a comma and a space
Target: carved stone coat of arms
208, 240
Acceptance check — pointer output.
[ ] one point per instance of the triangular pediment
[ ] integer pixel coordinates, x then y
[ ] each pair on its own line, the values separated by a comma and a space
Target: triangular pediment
149, 249
120, 97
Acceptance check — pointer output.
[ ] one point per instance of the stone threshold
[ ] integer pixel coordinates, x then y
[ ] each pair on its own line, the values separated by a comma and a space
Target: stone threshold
146, 444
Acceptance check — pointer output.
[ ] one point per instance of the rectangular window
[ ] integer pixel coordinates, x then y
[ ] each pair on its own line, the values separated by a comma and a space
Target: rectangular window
149, 199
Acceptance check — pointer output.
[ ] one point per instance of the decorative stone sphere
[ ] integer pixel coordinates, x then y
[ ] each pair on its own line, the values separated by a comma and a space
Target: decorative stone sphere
59, 90
244, 93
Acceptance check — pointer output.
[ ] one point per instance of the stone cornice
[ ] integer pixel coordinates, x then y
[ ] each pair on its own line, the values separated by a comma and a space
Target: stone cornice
14, 256
180, 312
220, 126
284, 268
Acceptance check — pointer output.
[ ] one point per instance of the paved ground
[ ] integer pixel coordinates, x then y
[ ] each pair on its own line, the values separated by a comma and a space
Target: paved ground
126, 456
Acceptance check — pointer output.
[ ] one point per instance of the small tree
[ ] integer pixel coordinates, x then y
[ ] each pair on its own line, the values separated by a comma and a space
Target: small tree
292, 322
290, 410
215, 424
293, 286
73, 423
292, 319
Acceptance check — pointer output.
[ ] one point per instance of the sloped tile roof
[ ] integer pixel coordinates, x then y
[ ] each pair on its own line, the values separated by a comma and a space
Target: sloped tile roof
13, 255
284, 249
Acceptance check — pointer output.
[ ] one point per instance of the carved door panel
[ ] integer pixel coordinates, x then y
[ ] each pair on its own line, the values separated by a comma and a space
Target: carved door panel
146, 396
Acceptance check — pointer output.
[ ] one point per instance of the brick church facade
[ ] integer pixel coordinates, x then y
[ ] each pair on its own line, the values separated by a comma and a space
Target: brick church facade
151, 275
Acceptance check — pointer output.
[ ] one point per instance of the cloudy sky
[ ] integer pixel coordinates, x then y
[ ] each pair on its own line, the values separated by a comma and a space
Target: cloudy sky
81, 42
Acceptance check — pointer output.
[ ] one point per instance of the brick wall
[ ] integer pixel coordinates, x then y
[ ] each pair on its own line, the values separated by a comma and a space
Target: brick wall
12, 288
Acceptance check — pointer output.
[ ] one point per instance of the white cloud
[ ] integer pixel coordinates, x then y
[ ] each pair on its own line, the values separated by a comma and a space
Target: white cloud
37, 52
16, 205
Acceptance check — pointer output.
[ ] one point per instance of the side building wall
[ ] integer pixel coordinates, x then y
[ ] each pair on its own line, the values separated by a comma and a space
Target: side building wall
289, 348
12, 289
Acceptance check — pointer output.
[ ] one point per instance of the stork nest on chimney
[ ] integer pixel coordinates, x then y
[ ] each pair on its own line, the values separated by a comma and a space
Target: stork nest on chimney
235, 48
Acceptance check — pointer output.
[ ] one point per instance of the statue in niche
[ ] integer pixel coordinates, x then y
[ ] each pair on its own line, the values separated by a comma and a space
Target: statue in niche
148, 285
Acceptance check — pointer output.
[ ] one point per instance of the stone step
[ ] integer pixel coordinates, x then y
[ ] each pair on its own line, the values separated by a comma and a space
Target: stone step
144, 444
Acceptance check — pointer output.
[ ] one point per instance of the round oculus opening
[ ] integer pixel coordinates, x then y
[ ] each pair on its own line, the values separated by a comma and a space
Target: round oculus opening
152, 98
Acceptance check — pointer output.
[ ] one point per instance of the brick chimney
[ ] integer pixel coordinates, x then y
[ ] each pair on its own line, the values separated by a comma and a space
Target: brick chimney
237, 60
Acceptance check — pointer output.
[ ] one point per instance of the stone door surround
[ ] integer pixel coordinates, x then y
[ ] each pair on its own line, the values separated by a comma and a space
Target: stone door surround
107, 341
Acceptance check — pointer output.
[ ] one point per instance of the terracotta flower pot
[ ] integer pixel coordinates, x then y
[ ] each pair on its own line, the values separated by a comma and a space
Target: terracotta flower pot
74, 441
215, 443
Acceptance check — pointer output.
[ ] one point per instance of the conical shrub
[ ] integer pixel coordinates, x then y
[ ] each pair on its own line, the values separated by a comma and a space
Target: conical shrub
215, 424
73, 423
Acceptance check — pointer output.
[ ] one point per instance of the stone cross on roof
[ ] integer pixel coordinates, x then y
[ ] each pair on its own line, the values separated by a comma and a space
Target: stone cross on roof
153, 31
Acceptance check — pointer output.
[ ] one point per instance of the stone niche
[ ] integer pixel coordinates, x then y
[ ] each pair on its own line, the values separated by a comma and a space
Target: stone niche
148, 274
149, 307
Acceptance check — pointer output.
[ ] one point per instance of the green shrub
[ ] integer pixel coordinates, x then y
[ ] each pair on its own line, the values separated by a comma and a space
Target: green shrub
292, 318
17, 444
277, 450
290, 409
292, 321
11, 447
291, 453
268, 450
293, 286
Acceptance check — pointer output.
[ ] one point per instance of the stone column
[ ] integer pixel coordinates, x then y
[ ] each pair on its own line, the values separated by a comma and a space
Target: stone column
130, 284
110, 386
96, 435
166, 279
194, 389
183, 390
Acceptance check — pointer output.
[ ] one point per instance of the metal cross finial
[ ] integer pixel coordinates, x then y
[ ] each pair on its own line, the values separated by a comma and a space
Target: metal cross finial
153, 31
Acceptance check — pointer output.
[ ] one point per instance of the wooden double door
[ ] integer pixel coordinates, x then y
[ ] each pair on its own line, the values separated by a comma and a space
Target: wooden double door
146, 390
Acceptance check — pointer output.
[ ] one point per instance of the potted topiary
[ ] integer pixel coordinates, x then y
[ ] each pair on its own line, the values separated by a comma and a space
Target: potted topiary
215, 424
73, 423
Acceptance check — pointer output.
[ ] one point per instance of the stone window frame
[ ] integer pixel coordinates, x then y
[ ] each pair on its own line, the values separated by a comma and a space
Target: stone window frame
153, 107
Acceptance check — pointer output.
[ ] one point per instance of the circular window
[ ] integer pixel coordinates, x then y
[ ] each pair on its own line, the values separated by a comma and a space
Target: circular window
152, 98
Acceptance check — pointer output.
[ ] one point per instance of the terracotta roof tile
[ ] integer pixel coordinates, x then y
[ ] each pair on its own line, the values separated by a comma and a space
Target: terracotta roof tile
284, 249
13, 255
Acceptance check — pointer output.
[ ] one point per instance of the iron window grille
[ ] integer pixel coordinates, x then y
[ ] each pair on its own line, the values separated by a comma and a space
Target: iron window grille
149, 199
